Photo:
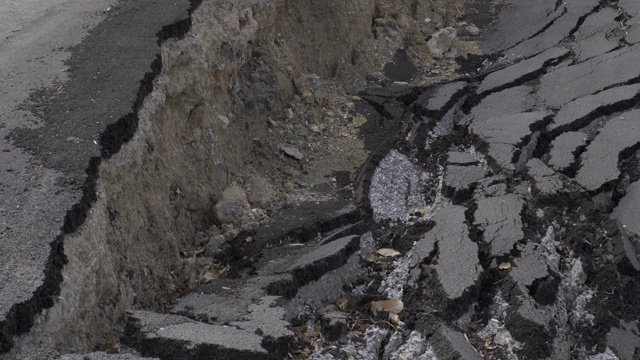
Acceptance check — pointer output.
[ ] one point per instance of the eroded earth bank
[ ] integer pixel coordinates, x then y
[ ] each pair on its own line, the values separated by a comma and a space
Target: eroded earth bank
342, 180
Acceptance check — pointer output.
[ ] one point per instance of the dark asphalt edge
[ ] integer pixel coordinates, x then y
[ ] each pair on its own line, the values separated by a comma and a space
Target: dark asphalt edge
21, 317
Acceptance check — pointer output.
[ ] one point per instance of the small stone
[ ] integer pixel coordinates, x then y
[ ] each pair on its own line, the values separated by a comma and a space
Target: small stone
213, 245
403, 21
292, 152
307, 97
472, 30
224, 120
442, 42
232, 205
259, 191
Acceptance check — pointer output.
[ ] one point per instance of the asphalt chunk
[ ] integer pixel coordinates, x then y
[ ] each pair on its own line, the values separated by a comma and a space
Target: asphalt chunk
528, 17
450, 344
530, 266
506, 102
558, 30
179, 337
521, 70
458, 267
547, 181
627, 210
458, 180
499, 217
505, 133
600, 161
435, 101
573, 115
598, 35
330, 256
563, 147
460, 158
624, 340
566, 84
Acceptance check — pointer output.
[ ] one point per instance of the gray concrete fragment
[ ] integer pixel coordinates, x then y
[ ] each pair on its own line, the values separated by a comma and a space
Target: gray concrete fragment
462, 177
628, 209
438, 99
504, 133
562, 149
460, 158
450, 344
600, 161
499, 217
572, 82
520, 70
458, 266
396, 188
624, 340
598, 35
570, 114
547, 181
530, 266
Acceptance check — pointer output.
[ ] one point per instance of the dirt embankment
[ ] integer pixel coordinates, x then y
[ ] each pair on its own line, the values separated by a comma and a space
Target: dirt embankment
257, 94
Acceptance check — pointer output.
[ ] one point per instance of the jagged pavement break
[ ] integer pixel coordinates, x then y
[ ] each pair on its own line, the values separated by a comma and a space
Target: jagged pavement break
353, 180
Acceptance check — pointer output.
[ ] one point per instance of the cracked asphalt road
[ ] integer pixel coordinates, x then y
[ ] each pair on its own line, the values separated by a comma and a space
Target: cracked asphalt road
509, 193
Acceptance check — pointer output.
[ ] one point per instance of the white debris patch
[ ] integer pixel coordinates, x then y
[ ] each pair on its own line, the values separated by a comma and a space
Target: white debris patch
495, 332
607, 355
416, 347
397, 188
393, 285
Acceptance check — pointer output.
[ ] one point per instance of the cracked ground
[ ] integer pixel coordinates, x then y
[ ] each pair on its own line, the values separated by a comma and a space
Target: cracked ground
495, 214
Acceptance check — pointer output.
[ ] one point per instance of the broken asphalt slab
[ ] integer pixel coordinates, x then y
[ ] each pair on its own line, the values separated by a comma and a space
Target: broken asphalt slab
499, 217
600, 160
458, 265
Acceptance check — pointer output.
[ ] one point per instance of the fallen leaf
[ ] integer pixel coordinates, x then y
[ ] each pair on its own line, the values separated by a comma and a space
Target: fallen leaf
372, 257
115, 349
388, 252
394, 319
331, 307
192, 251
505, 266
212, 272
342, 303
393, 306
